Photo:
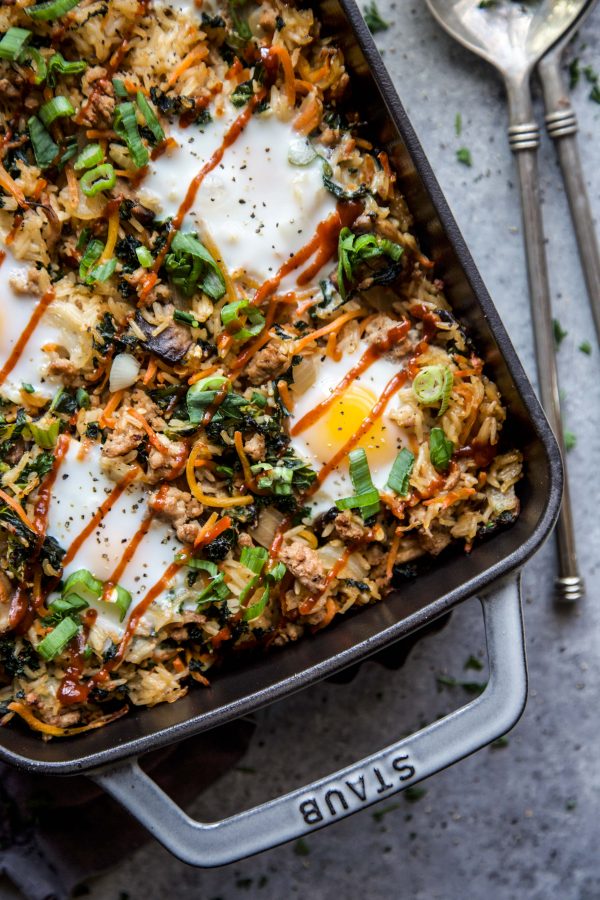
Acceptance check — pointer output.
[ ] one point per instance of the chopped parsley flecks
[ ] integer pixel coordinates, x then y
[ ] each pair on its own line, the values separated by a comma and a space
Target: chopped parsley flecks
463, 155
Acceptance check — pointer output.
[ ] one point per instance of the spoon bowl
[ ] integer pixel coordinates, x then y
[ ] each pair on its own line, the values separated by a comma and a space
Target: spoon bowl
512, 36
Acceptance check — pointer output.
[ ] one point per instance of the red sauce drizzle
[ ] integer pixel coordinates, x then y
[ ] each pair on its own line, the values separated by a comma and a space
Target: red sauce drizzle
98, 516
367, 359
482, 454
128, 555
42, 504
71, 690
20, 345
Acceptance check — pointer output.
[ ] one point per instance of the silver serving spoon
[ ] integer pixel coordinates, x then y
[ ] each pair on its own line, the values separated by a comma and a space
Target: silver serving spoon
513, 37
561, 125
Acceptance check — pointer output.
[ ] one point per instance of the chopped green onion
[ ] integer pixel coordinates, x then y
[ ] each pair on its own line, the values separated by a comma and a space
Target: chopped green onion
277, 572
150, 117
82, 584
399, 477
259, 399
366, 497
120, 89
102, 272
242, 94
373, 18
83, 398
144, 256
102, 178
301, 152
120, 598
44, 148
254, 558
254, 611
432, 385
187, 318
13, 43
570, 440
125, 124
65, 605
202, 394
204, 565
353, 250
440, 449
93, 252
83, 239
190, 265
51, 9
55, 642
45, 437
230, 317
28, 388
559, 332
215, 591
56, 108
89, 156
41, 68
57, 64
586, 347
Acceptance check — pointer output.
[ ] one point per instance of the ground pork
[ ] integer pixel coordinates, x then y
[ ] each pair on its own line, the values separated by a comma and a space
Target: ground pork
304, 564
349, 528
273, 360
434, 542
179, 508
33, 281
123, 438
166, 464
255, 447
100, 94
377, 330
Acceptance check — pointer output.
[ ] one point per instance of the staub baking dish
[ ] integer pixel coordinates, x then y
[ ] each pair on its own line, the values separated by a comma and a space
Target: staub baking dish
109, 755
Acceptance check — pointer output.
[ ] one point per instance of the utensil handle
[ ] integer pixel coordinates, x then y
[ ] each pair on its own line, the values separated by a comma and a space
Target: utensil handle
561, 124
375, 778
523, 134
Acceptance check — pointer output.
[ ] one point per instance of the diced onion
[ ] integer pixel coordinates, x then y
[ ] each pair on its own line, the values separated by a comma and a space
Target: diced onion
354, 568
124, 372
269, 521
305, 374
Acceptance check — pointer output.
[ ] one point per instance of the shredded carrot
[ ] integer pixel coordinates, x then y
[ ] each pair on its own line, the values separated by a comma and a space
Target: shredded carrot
196, 55
212, 520
99, 134
222, 525
8, 184
207, 499
147, 283
203, 373
224, 342
111, 237
303, 87
178, 665
446, 500
284, 393
330, 612
327, 329
150, 371
106, 420
223, 635
239, 446
332, 349
152, 435
288, 73
55, 730
391, 557
73, 185
310, 114
16, 507
393, 504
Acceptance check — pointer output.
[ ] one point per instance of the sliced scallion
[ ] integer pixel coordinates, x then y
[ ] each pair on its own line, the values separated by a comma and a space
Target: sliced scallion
58, 65
150, 117
254, 558
446, 391
366, 497
45, 436
440, 449
93, 252
51, 9
429, 384
39, 64
401, 471
120, 598
187, 318
57, 108
83, 398
90, 156
254, 611
126, 126
144, 256
13, 43
215, 591
102, 272
55, 642
237, 328
190, 266
44, 148
205, 565
202, 394
120, 90
101, 178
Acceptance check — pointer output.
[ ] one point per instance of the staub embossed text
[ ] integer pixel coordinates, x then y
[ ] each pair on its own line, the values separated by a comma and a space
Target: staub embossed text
360, 788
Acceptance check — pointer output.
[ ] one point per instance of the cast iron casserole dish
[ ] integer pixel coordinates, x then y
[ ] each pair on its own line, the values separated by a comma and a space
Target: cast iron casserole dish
109, 754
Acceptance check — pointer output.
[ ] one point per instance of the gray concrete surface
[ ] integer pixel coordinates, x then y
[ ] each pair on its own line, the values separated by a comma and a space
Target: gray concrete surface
512, 822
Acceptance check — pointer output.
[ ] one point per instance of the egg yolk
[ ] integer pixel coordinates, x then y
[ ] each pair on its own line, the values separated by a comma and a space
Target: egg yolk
341, 422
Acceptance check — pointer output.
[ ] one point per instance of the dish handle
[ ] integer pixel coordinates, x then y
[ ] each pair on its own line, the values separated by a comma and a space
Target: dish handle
377, 777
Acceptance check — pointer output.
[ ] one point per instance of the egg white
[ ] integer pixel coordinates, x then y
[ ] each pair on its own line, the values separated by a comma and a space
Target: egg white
318, 443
